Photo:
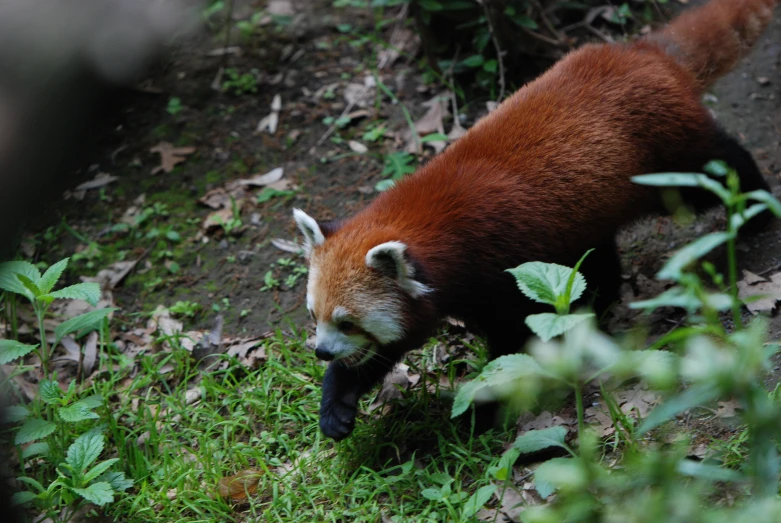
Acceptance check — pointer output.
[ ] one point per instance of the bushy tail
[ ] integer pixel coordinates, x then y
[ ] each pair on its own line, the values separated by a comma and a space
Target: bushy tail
709, 40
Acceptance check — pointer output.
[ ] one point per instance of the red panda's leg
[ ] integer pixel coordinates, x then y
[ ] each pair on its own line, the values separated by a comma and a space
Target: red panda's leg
342, 388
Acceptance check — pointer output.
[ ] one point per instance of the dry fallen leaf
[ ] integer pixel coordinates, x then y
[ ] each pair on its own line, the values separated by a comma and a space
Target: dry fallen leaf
394, 383
357, 147
170, 156
220, 197
599, 420
239, 486
100, 180
261, 180
249, 352
543, 421
728, 409
637, 400
271, 120
752, 285
286, 245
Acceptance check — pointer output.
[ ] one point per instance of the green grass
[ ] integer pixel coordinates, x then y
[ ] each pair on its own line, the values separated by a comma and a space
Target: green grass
267, 420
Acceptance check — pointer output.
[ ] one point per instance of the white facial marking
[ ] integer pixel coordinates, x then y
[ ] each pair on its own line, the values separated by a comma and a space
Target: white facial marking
339, 314
339, 344
308, 226
384, 324
381, 256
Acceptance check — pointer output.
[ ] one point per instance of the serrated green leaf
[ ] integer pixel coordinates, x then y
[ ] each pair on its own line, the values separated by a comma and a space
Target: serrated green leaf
31, 482
99, 469
560, 473
524, 21
82, 323
30, 285
476, 60
20, 498
398, 164
92, 402
89, 292
543, 488
98, 493
52, 276
434, 494
11, 350
691, 397
549, 325
15, 414
33, 429
546, 282
672, 270
536, 440
504, 469
9, 281
85, 450
35, 449
117, 480
76, 412
49, 391
707, 471
499, 372
477, 500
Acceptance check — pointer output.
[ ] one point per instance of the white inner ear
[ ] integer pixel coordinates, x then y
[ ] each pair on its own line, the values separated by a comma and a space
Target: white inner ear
391, 255
313, 236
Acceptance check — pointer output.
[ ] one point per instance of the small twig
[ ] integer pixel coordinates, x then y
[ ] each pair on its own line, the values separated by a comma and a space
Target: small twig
499, 57
600, 34
548, 40
546, 21
771, 269
347, 109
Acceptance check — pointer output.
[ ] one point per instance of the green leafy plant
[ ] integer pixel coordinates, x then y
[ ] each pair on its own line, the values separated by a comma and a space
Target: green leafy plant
23, 278
710, 361
185, 308
397, 165
174, 106
241, 83
554, 285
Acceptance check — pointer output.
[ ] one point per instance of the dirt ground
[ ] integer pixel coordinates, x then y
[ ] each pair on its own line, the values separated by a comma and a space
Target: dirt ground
226, 273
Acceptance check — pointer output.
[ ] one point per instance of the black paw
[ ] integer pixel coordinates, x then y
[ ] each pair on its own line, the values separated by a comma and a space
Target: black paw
337, 420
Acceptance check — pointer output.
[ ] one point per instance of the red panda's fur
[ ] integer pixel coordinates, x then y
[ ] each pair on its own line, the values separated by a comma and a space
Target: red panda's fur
545, 176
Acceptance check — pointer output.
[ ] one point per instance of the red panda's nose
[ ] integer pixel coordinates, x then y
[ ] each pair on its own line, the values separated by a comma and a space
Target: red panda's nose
324, 354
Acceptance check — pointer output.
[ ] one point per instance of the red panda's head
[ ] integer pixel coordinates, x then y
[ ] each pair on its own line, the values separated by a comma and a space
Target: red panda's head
358, 292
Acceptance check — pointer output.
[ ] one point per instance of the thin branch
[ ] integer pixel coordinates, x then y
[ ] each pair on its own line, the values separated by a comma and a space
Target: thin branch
347, 109
499, 57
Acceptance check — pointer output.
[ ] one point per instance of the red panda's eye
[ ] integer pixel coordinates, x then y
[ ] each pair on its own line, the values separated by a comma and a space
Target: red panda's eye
346, 326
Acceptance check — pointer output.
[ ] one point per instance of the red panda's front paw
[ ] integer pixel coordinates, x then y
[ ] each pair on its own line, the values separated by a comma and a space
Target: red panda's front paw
337, 419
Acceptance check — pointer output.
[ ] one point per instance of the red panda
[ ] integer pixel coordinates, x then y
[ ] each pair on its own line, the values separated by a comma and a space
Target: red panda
543, 177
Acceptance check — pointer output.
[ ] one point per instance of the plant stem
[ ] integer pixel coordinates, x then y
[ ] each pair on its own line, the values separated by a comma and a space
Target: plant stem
732, 260
40, 312
579, 407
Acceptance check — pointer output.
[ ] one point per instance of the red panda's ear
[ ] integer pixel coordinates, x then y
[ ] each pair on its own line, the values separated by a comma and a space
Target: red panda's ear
391, 260
313, 235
